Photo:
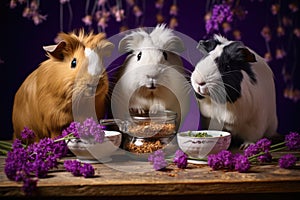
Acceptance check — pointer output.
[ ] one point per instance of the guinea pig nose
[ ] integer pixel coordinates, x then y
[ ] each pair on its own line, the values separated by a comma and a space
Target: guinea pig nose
202, 83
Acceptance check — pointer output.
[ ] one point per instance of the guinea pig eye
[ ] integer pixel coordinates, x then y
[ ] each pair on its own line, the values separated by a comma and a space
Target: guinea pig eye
73, 63
165, 55
139, 56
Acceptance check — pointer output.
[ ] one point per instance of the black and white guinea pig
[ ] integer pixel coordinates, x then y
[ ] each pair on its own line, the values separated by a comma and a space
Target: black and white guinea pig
152, 77
235, 90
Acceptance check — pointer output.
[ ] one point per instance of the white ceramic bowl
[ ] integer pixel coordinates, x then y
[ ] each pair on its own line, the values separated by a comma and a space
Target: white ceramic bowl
97, 152
201, 147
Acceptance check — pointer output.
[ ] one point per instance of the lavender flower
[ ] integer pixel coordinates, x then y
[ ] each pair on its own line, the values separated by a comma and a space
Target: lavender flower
220, 13
214, 162
89, 130
42, 157
266, 157
16, 162
29, 185
263, 144
292, 141
224, 159
87, 170
241, 163
158, 160
27, 134
77, 169
72, 128
180, 159
251, 150
287, 161
73, 166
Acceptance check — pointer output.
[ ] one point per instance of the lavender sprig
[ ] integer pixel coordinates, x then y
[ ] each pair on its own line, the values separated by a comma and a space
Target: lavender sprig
260, 151
28, 162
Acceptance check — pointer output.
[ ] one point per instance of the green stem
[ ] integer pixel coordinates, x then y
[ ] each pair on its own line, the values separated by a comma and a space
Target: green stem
251, 158
277, 145
67, 137
279, 149
3, 143
3, 152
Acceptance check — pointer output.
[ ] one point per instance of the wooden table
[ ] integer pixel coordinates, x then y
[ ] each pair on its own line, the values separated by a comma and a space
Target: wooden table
135, 180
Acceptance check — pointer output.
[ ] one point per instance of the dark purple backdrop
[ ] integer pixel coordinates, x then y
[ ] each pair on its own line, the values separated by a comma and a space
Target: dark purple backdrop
21, 46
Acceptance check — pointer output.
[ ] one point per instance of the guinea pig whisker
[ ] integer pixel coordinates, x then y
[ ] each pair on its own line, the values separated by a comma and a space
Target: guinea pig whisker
113, 68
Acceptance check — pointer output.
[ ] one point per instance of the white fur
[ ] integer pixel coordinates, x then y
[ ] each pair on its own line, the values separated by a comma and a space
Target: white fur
253, 115
172, 90
93, 62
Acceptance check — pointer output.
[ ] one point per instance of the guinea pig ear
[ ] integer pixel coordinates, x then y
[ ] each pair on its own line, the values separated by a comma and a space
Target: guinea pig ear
56, 50
106, 48
206, 46
124, 44
247, 55
131, 42
174, 44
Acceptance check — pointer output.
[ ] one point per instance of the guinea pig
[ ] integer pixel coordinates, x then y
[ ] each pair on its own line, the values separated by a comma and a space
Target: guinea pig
71, 84
235, 90
152, 78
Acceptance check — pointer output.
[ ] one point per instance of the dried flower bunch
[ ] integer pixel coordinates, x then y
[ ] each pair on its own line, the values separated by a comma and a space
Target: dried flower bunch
27, 163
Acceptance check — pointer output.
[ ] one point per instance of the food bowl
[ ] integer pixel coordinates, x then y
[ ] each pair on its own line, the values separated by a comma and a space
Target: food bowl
146, 133
200, 144
96, 152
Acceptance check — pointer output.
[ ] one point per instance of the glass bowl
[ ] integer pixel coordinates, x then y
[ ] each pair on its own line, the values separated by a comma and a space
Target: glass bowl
146, 133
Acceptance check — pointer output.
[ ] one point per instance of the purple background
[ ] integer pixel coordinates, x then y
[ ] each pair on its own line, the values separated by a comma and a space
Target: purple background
21, 45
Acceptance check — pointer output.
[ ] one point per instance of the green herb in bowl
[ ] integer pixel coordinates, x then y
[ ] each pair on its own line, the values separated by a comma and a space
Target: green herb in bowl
198, 134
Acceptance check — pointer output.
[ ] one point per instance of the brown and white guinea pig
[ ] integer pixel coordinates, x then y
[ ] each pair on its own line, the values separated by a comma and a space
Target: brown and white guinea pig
235, 90
73, 76
152, 78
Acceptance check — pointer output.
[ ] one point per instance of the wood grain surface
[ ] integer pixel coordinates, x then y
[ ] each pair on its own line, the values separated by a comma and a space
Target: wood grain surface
133, 179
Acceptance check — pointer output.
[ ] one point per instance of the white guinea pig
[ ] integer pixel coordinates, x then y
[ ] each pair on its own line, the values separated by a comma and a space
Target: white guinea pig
235, 90
152, 77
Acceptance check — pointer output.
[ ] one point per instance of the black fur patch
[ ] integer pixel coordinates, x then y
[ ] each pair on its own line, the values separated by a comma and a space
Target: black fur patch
235, 58
207, 46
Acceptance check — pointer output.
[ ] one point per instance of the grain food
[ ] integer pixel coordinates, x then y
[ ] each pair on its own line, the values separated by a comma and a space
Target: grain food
152, 129
144, 146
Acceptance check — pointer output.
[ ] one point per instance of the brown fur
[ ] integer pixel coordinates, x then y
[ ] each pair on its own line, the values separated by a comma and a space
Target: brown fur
43, 103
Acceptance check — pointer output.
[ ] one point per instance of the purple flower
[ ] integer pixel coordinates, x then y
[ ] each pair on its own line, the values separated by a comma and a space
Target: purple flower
180, 159
89, 130
287, 161
214, 162
43, 157
227, 158
16, 166
251, 150
220, 13
73, 128
158, 160
224, 159
77, 169
241, 163
292, 141
263, 144
27, 134
266, 157
87, 170
29, 185
73, 166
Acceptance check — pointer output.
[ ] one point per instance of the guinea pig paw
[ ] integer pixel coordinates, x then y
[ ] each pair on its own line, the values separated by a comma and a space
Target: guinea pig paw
138, 110
245, 145
156, 108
